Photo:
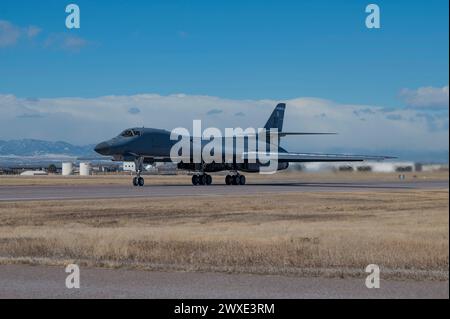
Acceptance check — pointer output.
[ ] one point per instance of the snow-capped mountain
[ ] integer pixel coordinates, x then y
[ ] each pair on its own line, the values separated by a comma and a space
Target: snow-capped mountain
32, 147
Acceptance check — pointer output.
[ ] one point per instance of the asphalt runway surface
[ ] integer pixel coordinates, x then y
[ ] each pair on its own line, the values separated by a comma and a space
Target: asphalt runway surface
44, 192
24, 281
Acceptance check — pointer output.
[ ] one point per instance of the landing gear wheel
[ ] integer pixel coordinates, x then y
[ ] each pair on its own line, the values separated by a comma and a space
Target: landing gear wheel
208, 179
241, 179
228, 179
195, 180
137, 179
202, 179
235, 180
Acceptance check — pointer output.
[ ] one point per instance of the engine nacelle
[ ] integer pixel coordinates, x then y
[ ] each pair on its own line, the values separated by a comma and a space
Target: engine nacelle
255, 167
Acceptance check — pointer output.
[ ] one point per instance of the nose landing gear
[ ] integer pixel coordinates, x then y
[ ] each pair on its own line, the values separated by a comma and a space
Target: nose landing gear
138, 180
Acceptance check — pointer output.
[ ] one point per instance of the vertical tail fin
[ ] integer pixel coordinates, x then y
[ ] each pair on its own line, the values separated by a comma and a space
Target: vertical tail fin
276, 118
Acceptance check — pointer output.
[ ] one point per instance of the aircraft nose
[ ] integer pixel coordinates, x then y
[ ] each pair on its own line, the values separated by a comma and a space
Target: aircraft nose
102, 148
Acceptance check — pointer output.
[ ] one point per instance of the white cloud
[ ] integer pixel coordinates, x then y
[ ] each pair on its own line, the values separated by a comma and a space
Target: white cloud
183, 34
74, 43
89, 120
426, 97
65, 41
32, 31
9, 33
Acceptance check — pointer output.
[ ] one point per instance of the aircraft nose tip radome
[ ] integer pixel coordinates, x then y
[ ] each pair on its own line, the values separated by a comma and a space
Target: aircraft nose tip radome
102, 148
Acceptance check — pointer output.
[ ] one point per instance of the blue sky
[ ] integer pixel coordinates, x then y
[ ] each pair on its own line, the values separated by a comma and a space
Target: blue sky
231, 49
164, 63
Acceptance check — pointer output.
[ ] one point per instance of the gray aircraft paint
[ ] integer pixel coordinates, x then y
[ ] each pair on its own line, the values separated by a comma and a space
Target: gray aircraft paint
154, 145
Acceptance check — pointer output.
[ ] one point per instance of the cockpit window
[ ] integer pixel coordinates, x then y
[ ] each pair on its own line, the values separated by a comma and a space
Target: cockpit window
130, 133
127, 133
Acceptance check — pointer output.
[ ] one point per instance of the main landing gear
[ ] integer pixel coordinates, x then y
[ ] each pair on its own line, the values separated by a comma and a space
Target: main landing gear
237, 179
138, 180
201, 179
205, 179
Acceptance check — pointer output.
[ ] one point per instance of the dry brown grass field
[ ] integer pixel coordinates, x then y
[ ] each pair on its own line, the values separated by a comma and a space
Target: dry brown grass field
405, 232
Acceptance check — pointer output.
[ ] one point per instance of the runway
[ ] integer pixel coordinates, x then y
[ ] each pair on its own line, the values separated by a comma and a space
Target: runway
62, 192
23, 281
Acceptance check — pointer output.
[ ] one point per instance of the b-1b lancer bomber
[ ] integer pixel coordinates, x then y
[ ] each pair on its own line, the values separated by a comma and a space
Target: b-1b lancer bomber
150, 145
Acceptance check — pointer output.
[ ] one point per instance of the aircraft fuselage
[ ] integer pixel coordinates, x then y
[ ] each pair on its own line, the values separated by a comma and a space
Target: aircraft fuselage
154, 145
